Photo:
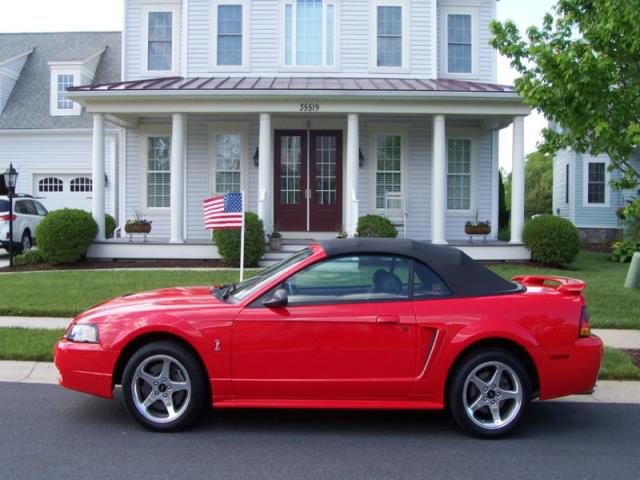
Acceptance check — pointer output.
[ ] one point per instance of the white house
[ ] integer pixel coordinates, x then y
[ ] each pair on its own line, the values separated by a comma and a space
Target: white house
45, 135
320, 110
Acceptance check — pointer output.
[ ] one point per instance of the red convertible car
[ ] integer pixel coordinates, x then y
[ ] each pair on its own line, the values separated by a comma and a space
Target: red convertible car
377, 324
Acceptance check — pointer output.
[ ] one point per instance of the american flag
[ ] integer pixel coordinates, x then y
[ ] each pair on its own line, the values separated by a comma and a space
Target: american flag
223, 211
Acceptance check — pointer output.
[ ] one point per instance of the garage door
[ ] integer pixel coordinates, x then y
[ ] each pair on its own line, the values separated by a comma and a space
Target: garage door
64, 190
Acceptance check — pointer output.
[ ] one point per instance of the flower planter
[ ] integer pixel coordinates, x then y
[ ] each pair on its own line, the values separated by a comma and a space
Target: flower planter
142, 228
275, 243
477, 230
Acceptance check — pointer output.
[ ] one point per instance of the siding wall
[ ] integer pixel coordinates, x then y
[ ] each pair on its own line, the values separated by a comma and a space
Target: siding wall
37, 153
418, 174
8, 75
265, 39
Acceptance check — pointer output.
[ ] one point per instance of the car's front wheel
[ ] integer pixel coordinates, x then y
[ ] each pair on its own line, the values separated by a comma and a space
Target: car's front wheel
489, 393
164, 386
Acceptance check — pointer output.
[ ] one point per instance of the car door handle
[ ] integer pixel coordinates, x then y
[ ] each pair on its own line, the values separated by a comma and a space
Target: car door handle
388, 319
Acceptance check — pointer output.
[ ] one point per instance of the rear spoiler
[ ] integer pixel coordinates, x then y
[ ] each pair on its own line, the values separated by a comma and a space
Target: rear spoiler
564, 285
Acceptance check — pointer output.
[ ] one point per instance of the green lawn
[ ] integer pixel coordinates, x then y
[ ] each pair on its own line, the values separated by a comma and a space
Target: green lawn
610, 304
37, 345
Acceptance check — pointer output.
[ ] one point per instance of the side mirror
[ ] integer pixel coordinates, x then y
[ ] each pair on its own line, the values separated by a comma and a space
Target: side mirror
279, 299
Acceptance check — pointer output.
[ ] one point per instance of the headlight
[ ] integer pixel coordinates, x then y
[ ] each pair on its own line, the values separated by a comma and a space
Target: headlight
83, 333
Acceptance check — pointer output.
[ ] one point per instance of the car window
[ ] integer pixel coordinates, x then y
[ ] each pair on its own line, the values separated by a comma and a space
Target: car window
18, 207
4, 205
40, 209
29, 208
351, 278
426, 283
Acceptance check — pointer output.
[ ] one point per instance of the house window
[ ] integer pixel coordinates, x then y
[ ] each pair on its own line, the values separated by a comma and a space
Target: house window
389, 33
81, 184
566, 184
309, 33
596, 186
158, 172
228, 148
459, 46
459, 174
388, 167
64, 81
160, 41
229, 35
50, 184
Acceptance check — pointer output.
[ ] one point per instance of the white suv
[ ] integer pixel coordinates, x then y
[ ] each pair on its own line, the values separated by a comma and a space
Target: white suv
27, 214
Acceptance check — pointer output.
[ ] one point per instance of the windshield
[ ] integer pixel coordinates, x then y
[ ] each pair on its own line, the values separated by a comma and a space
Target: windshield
246, 288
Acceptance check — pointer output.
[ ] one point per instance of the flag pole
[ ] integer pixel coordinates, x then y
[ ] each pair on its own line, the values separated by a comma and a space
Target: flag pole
242, 240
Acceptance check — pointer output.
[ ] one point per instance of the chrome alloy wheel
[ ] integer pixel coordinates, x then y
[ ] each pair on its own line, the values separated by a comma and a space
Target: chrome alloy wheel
161, 388
492, 395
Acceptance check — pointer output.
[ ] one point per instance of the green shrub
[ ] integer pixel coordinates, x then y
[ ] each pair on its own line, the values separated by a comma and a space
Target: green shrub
376, 226
228, 242
552, 240
623, 251
64, 235
109, 225
30, 257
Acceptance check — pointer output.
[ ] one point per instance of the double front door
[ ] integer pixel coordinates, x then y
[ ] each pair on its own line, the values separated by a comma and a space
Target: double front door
308, 180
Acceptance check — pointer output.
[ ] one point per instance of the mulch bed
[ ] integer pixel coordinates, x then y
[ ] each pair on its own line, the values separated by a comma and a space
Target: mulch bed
102, 265
634, 355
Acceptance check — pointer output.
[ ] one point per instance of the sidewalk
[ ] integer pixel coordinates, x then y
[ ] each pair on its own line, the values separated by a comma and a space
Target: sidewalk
627, 339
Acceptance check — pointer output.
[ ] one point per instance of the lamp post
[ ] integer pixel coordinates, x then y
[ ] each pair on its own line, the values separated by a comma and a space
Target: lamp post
10, 178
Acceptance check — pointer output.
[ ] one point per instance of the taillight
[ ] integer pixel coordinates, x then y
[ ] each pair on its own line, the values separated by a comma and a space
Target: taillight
5, 218
584, 328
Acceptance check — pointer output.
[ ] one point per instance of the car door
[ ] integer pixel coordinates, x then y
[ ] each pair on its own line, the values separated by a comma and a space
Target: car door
347, 332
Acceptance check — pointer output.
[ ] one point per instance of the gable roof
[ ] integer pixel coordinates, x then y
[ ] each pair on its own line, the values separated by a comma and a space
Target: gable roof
28, 105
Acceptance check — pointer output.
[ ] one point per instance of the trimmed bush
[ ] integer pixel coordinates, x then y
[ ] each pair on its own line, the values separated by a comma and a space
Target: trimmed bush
622, 252
109, 225
228, 242
376, 226
30, 257
552, 240
64, 235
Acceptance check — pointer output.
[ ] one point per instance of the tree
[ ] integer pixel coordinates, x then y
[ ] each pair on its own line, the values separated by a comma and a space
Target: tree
582, 69
503, 209
538, 184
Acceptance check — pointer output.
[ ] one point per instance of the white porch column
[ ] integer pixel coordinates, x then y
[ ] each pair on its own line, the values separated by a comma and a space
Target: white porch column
439, 182
351, 180
265, 173
178, 134
97, 204
517, 181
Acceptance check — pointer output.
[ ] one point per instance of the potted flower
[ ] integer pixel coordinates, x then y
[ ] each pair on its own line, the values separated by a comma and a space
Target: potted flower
620, 212
275, 240
476, 227
137, 224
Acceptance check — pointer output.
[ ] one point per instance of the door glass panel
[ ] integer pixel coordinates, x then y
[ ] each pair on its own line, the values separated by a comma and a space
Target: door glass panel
290, 169
325, 173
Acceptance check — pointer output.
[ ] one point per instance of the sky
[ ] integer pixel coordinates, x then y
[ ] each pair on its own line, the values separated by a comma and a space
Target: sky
96, 15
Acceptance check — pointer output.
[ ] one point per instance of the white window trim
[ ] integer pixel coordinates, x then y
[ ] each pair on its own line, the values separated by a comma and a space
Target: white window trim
475, 41
238, 128
145, 132
391, 129
373, 36
213, 39
159, 6
585, 183
472, 135
336, 40
53, 97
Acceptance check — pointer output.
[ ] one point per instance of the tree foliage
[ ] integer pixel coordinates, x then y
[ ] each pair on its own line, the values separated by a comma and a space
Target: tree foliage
582, 69
538, 184
503, 210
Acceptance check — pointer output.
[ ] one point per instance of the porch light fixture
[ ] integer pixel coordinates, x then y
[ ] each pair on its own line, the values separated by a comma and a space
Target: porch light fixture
10, 179
256, 157
106, 181
361, 158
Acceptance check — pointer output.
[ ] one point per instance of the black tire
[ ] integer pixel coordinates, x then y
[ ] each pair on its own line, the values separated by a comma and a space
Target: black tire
26, 242
463, 393
188, 406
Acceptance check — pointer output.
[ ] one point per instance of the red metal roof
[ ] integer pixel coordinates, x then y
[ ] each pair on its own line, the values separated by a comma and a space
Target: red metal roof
272, 84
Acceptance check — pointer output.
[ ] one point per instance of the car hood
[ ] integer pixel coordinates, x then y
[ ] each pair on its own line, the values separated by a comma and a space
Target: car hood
170, 301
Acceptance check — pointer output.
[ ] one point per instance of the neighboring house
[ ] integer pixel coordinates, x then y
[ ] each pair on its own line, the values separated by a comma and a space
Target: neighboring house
320, 110
45, 135
582, 194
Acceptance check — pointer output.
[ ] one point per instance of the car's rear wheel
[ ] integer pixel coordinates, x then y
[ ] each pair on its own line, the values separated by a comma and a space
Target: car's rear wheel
26, 243
489, 393
164, 387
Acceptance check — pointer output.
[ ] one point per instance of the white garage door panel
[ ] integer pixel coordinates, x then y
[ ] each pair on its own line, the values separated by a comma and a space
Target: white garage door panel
63, 190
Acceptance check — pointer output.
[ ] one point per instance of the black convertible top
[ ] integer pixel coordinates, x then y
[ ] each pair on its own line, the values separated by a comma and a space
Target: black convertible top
463, 275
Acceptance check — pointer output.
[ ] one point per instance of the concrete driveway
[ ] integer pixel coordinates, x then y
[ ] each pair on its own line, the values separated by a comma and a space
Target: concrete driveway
4, 258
